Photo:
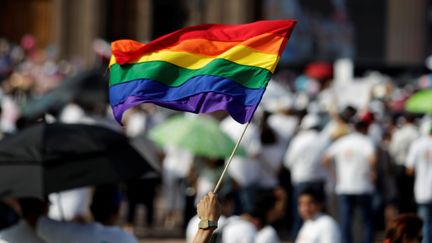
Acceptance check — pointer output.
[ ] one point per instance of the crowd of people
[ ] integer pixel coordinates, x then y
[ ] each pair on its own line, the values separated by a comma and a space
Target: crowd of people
315, 155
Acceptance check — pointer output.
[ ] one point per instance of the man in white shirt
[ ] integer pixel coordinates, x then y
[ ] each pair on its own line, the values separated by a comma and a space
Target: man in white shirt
105, 209
23, 231
303, 159
254, 226
244, 170
419, 162
401, 140
317, 227
355, 161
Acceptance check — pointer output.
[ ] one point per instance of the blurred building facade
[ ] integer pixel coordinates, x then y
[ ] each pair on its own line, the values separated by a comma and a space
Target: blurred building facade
391, 32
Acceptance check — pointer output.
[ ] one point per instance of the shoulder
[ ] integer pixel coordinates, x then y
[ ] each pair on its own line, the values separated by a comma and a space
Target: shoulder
267, 234
326, 222
236, 224
118, 235
421, 142
6, 233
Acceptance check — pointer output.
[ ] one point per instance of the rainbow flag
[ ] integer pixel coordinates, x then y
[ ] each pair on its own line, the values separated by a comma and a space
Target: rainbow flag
199, 69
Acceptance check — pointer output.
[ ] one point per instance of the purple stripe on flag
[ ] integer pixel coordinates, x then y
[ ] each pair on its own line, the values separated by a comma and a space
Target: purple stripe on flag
199, 103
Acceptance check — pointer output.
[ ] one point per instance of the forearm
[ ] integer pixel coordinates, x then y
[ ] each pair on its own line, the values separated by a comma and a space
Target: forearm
203, 236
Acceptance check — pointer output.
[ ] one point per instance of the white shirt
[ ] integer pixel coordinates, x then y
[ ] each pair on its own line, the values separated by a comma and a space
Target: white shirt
270, 162
420, 158
55, 231
70, 204
267, 235
303, 157
283, 125
177, 161
351, 154
192, 227
322, 229
237, 230
244, 170
20, 232
251, 139
401, 140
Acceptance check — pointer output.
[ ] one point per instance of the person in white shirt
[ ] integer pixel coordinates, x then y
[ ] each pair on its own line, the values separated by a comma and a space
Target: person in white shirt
401, 140
254, 226
70, 205
244, 170
419, 163
176, 166
271, 155
23, 231
303, 159
317, 227
105, 210
355, 161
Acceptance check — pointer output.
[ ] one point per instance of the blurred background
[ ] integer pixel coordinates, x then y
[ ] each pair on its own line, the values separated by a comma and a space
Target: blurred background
373, 33
346, 61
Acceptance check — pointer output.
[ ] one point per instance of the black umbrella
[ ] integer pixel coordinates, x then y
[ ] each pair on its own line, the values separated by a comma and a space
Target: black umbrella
87, 88
49, 158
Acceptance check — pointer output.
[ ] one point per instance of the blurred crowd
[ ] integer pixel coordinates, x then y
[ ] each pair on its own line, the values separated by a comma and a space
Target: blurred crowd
325, 157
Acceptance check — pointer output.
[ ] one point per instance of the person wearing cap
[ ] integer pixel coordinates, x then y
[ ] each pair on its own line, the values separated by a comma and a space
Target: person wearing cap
303, 160
354, 162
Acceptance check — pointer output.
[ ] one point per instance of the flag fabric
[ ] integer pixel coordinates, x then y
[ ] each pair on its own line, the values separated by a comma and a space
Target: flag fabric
199, 69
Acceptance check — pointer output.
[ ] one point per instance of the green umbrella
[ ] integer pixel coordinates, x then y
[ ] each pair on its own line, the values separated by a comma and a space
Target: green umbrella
420, 102
200, 135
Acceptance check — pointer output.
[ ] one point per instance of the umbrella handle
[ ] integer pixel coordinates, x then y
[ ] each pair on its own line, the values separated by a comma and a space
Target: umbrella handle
230, 159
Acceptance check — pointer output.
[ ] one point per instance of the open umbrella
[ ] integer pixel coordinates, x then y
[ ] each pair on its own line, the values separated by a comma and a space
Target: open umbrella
86, 88
49, 158
201, 135
420, 102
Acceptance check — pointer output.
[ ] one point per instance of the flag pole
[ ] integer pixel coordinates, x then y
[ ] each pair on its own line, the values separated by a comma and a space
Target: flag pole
230, 159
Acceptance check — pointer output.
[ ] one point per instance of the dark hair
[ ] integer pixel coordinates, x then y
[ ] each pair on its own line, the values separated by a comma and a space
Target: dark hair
106, 202
267, 135
264, 201
316, 195
404, 226
361, 126
348, 114
31, 206
410, 117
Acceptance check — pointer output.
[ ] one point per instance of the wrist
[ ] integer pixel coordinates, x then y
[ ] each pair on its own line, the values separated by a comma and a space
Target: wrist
203, 235
207, 224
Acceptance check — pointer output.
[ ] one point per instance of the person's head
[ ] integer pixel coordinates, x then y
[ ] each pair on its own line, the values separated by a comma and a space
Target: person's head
310, 203
406, 228
267, 135
105, 204
347, 114
227, 203
409, 117
361, 126
32, 208
264, 203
